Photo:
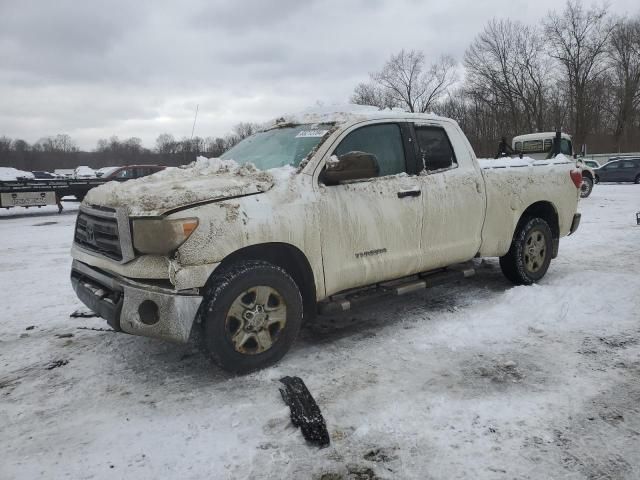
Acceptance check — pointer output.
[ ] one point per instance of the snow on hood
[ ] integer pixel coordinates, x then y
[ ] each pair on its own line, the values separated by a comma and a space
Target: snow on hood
9, 174
206, 179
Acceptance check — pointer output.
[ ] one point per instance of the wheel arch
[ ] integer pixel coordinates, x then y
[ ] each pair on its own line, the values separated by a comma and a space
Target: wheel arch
286, 256
548, 212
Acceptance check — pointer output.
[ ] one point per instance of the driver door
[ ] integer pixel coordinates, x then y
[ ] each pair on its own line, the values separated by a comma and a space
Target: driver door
370, 228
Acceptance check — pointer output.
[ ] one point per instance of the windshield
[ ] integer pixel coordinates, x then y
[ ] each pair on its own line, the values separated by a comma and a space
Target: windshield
278, 147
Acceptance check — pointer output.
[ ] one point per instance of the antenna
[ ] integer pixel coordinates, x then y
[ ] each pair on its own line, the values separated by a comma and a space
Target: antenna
194, 121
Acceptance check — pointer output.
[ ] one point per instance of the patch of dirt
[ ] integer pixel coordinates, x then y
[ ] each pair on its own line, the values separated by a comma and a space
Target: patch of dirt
507, 372
380, 455
620, 341
601, 441
57, 364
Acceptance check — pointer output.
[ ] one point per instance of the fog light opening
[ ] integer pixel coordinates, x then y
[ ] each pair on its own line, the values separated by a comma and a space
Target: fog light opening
148, 311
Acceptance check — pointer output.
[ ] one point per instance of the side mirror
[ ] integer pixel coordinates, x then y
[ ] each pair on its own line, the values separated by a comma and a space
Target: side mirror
350, 166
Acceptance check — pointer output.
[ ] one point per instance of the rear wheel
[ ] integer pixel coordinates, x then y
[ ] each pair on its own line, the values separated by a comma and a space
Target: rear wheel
637, 180
586, 187
252, 315
529, 257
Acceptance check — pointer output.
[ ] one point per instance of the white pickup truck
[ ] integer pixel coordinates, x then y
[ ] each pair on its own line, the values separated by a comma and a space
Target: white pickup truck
315, 215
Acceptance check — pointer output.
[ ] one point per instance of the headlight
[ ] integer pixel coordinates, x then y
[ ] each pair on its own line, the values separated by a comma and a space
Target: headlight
160, 237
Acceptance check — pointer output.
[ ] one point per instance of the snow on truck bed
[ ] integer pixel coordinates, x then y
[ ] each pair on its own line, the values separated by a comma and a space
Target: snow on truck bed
509, 162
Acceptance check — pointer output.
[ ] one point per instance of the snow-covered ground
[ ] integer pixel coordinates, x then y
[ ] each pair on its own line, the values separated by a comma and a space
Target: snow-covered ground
476, 380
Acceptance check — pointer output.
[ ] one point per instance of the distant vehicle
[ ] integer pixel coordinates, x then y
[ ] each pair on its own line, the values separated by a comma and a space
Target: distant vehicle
128, 172
623, 170
24, 189
539, 146
84, 172
64, 172
591, 163
106, 171
42, 175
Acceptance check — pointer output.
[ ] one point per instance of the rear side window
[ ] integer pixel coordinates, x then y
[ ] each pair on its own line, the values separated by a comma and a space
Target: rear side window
434, 149
382, 140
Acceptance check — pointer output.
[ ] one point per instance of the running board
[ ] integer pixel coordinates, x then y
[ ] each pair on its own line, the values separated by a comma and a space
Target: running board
355, 298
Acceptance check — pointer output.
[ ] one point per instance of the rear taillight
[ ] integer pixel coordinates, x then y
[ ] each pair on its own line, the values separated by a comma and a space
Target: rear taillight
576, 176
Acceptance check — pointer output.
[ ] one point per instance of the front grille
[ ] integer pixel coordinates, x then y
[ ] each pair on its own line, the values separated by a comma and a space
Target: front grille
99, 234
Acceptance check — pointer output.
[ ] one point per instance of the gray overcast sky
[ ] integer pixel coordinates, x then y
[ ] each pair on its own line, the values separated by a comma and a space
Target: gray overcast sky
138, 68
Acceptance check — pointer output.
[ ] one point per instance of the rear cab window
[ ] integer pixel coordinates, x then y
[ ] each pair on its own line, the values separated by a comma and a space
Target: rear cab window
434, 150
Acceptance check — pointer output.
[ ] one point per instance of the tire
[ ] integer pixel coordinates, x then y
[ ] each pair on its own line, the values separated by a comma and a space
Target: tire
587, 187
637, 180
597, 179
528, 259
244, 324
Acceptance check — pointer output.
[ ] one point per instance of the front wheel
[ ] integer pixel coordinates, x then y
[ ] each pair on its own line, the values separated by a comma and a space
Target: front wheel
529, 257
251, 316
586, 188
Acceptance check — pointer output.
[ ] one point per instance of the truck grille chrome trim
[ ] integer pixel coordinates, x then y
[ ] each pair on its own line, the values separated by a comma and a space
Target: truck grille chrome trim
104, 232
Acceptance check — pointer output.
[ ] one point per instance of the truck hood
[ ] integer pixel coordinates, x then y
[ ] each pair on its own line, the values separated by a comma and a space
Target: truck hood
203, 181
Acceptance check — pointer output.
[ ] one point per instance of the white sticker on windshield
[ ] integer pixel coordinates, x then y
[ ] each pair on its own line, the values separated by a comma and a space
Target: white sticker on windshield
311, 133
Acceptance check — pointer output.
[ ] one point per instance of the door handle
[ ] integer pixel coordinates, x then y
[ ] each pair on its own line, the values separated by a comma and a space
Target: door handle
409, 193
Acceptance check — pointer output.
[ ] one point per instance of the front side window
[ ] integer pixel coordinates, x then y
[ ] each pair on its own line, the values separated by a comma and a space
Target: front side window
382, 140
434, 149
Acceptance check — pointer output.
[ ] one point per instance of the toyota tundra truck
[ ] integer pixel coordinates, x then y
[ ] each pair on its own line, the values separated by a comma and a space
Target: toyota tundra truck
315, 215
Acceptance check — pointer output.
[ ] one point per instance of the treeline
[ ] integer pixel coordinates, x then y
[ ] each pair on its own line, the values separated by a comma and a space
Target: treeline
131, 148
578, 70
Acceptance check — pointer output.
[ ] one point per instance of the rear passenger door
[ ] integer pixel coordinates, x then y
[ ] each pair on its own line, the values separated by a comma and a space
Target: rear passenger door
371, 228
627, 171
453, 197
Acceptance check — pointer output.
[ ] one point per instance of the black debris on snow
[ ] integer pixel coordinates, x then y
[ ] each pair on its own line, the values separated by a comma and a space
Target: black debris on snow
305, 412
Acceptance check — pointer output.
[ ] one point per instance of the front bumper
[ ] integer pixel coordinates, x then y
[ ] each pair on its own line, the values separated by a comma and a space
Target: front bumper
137, 308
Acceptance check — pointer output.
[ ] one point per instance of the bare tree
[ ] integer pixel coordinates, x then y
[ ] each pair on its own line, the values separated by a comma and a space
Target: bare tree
5, 144
625, 78
578, 38
62, 143
406, 82
20, 145
245, 129
372, 94
506, 70
165, 143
